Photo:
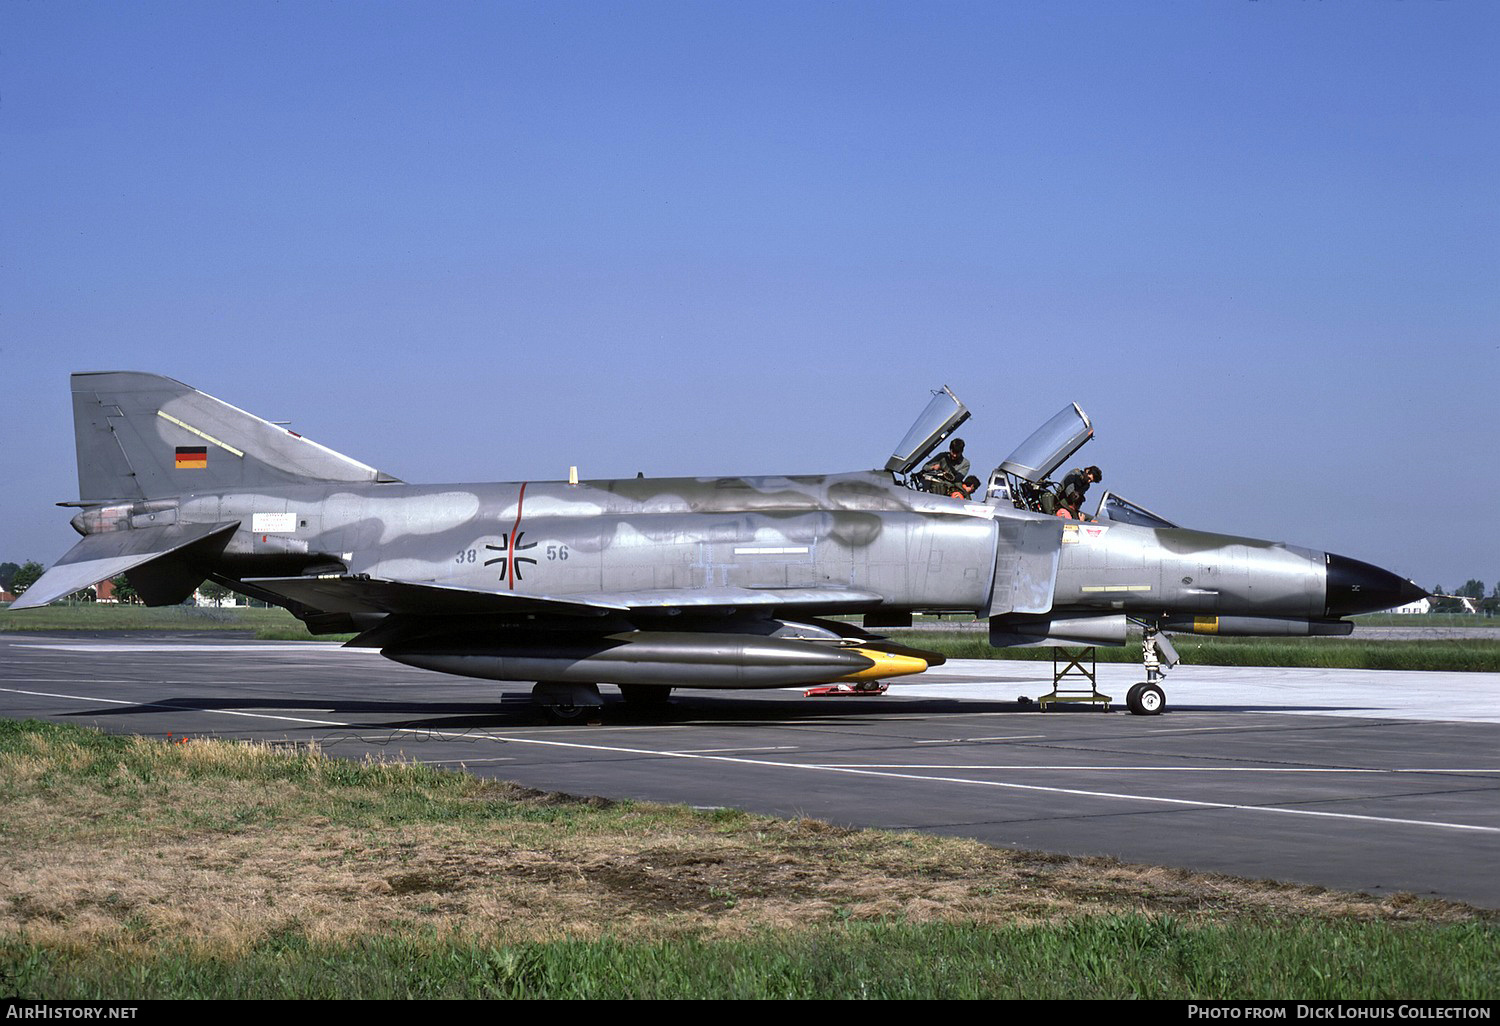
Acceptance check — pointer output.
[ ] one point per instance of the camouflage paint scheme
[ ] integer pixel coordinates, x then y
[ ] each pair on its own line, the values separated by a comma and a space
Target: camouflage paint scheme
704, 582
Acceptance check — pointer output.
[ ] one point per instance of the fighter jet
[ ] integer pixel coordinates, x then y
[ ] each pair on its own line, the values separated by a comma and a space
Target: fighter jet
651, 584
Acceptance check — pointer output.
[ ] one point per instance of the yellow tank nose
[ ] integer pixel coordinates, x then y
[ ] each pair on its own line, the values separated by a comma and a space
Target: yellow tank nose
887, 664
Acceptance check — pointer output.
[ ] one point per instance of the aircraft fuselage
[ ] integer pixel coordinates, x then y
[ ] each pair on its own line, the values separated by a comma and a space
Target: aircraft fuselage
856, 532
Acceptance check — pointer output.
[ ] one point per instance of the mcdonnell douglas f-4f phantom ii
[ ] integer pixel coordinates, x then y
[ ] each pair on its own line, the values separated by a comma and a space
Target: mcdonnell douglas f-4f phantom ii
726, 582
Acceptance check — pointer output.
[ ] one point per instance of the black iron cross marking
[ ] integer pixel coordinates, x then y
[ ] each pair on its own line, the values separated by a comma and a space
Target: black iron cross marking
509, 544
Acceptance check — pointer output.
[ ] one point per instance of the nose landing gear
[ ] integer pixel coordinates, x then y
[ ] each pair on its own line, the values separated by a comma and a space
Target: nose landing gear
1147, 698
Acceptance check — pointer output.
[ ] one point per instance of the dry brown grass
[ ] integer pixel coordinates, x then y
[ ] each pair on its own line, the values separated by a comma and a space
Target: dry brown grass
215, 845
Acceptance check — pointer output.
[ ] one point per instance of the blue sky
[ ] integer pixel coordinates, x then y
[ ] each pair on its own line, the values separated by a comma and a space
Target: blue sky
1258, 241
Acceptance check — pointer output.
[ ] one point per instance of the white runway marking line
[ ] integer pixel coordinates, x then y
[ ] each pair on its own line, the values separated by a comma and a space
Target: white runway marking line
822, 768
69, 680
1200, 730
973, 740
1161, 769
462, 762
720, 751
181, 708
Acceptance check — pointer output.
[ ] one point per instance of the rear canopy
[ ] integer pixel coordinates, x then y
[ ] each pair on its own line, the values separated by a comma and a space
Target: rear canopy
1050, 445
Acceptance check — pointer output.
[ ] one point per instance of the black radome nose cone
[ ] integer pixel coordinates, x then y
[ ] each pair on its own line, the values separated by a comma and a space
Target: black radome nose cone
1355, 587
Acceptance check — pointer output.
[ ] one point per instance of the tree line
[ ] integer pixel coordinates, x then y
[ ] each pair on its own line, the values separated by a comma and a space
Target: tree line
1473, 588
17, 577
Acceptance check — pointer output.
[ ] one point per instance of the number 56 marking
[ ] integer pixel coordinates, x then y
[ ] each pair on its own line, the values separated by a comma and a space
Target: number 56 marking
556, 552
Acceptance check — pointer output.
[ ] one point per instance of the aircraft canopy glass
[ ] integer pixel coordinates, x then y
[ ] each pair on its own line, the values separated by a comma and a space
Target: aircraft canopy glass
1123, 511
1050, 445
941, 418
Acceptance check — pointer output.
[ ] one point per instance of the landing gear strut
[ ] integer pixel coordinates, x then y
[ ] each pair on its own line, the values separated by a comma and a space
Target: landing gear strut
1147, 698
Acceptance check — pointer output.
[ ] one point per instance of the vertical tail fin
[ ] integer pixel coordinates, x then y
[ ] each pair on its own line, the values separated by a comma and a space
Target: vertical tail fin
143, 436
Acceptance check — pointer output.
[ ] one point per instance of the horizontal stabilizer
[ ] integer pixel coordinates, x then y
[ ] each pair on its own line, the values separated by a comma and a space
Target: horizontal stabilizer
99, 557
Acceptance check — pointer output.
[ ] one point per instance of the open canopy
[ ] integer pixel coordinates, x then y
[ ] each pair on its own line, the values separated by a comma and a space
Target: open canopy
941, 418
1050, 445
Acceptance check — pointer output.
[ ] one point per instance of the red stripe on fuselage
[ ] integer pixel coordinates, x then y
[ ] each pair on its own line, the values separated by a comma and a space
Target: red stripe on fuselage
515, 536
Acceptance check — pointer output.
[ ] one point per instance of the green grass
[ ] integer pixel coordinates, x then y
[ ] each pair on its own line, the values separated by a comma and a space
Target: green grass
133, 773
1426, 620
267, 624
135, 872
1109, 957
108, 616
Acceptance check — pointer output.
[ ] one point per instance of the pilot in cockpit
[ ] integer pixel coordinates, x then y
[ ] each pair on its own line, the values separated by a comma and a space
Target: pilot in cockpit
1079, 481
1074, 490
965, 489
945, 473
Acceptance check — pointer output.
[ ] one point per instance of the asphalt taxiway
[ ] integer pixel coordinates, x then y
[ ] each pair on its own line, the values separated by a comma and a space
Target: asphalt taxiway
1379, 781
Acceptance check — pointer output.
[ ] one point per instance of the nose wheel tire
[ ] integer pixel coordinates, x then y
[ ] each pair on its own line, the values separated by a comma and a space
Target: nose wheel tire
1146, 699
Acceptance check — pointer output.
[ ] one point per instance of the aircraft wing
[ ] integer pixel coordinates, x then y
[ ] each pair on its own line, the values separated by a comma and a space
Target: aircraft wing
823, 600
100, 556
358, 594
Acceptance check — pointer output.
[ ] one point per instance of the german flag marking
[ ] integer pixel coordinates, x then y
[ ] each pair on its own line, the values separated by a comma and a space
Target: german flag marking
192, 457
